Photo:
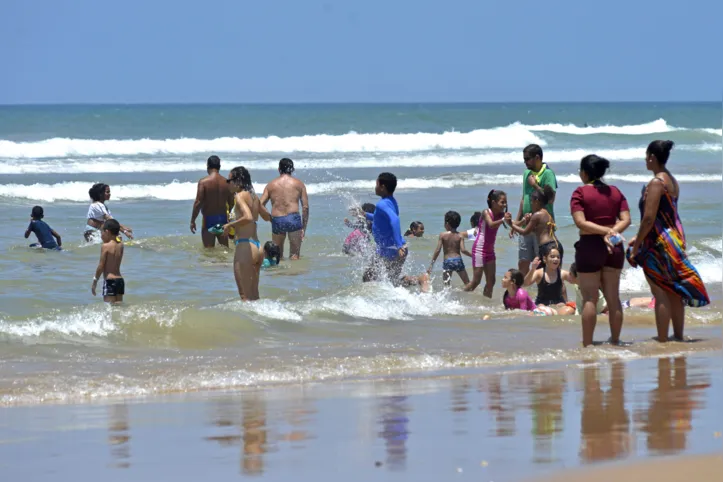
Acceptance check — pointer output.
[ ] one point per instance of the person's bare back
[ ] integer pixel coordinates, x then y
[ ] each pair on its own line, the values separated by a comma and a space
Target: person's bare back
451, 244
111, 257
213, 200
285, 193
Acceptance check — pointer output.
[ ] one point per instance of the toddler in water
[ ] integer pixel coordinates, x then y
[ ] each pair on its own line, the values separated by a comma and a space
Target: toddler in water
272, 255
515, 297
551, 293
111, 256
452, 243
358, 241
540, 222
483, 248
44, 233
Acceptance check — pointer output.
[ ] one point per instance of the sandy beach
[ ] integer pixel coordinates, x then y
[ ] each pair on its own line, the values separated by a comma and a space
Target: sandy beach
515, 424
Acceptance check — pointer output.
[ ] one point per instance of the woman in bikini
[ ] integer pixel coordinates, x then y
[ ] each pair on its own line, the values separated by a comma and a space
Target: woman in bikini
541, 223
248, 256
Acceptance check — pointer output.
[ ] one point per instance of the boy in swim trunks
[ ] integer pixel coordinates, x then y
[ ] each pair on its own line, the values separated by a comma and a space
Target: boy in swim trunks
41, 229
452, 242
111, 256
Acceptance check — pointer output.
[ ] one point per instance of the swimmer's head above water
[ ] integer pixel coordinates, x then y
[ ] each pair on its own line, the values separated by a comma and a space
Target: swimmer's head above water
416, 229
272, 252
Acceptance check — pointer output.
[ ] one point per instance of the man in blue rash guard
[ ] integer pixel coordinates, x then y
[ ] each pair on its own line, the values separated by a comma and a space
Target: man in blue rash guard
387, 231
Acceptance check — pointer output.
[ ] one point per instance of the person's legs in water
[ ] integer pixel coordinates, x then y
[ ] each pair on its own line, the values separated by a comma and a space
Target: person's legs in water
611, 291
489, 270
662, 310
447, 278
246, 265
463, 276
677, 314
589, 287
476, 278
295, 241
279, 240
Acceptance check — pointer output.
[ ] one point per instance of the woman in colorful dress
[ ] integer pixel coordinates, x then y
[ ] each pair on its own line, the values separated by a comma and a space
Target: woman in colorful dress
659, 247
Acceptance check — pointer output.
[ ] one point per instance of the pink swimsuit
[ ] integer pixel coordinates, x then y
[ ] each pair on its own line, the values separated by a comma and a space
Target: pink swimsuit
521, 301
483, 248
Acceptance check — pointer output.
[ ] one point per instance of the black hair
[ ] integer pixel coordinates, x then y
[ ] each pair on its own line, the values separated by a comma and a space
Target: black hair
474, 220
573, 269
113, 226
389, 181
272, 251
494, 196
532, 151
37, 213
286, 166
369, 208
413, 227
453, 219
241, 177
544, 196
97, 192
661, 150
213, 162
517, 278
547, 250
594, 166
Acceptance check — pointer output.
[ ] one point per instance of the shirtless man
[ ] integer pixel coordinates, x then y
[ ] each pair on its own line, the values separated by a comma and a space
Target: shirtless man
213, 200
111, 256
285, 193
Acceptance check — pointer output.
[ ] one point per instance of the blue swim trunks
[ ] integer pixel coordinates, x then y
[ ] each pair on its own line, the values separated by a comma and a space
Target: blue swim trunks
286, 224
210, 221
453, 264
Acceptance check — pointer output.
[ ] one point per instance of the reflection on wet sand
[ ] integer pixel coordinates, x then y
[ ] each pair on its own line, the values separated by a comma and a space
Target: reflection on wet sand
667, 420
605, 423
119, 435
501, 405
546, 394
255, 435
395, 431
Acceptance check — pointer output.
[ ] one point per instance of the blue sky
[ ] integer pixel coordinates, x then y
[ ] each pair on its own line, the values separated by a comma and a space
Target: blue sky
89, 51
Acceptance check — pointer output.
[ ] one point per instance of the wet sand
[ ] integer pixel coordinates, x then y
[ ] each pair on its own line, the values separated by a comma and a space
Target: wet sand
545, 422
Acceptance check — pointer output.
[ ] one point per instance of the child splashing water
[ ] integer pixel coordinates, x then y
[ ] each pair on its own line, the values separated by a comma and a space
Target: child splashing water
551, 294
483, 248
452, 242
516, 297
540, 222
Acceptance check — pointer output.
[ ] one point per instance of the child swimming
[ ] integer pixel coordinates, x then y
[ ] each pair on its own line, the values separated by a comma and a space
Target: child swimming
540, 222
44, 233
416, 229
551, 294
111, 256
483, 248
272, 255
516, 297
452, 243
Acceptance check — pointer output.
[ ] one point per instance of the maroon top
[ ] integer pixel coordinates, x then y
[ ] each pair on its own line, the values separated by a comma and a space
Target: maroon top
601, 203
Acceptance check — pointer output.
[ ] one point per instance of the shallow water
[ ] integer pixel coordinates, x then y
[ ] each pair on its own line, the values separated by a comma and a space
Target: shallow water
182, 326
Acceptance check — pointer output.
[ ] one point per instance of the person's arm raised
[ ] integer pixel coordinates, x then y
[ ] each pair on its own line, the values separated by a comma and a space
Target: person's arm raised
533, 275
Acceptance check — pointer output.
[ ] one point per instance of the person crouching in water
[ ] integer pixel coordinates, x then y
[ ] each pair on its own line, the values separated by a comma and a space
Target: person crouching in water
111, 256
272, 255
44, 233
541, 223
551, 293
452, 242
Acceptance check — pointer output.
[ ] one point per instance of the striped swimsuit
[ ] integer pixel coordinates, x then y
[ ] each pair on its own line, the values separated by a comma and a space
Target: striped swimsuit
483, 248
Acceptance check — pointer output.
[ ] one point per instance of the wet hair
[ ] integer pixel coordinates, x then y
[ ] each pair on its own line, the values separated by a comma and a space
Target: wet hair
573, 269
453, 219
594, 166
544, 197
242, 178
517, 278
532, 151
389, 181
272, 251
413, 226
661, 150
37, 213
369, 208
113, 226
213, 162
97, 192
494, 196
286, 166
474, 220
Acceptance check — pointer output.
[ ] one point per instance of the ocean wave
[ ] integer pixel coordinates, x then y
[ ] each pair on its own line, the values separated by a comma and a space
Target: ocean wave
656, 127
497, 138
186, 191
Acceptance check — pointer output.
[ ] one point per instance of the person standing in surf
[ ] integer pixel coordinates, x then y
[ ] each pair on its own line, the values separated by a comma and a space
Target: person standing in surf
213, 200
98, 212
286, 193
660, 245
249, 256
535, 178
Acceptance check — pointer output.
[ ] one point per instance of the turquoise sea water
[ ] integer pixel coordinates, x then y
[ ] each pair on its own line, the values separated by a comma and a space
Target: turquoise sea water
183, 328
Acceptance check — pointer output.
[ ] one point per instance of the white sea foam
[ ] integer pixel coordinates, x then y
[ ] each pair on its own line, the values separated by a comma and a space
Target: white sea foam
185, 191
499, 138
655, 127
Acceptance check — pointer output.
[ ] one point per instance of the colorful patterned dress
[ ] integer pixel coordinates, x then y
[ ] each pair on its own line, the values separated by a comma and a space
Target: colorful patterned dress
662, 254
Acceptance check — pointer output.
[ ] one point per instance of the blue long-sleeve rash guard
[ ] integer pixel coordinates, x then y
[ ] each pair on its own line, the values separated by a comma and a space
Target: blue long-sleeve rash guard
386, 227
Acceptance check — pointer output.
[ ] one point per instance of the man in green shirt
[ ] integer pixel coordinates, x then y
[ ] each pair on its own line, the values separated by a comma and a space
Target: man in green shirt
536, 177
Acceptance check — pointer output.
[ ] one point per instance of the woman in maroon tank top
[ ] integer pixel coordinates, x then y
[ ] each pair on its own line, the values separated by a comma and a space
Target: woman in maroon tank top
600, 211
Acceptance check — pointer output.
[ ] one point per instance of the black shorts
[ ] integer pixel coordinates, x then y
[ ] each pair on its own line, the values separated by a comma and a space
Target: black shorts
114, 287
591, 255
